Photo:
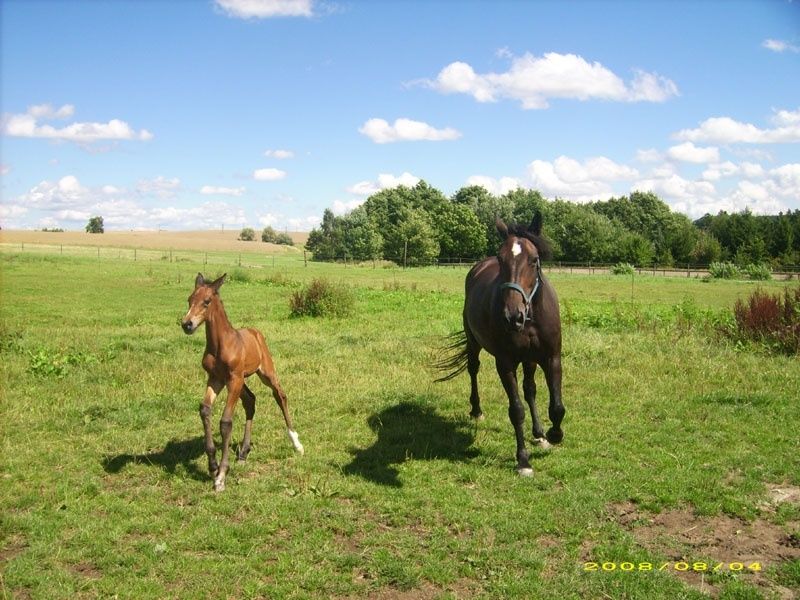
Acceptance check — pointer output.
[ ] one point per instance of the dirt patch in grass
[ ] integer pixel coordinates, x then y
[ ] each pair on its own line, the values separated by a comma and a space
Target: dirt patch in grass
705, 552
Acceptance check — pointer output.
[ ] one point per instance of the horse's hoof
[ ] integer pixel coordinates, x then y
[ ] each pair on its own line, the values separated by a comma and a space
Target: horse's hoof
542, 443
554, 436
478, 417
219, 486
524, 471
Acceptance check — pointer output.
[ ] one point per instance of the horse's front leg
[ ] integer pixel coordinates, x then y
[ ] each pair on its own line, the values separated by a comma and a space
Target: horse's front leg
213, 388
556, 410
529, 389
507, 370
235, 383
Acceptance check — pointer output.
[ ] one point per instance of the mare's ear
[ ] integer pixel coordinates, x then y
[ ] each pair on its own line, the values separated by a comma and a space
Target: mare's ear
502, 228
199, 280
218, 283
536, 224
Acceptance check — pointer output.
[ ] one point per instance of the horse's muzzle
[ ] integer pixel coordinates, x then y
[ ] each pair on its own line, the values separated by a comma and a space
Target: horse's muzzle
188, 327
515, 319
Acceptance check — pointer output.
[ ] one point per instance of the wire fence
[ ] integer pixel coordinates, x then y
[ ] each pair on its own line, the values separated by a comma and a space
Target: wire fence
257, 259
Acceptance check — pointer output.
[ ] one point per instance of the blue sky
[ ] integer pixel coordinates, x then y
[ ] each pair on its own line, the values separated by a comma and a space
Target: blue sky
209, 113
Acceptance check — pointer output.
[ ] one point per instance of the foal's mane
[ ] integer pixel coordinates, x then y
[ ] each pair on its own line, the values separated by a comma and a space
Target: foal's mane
542, 245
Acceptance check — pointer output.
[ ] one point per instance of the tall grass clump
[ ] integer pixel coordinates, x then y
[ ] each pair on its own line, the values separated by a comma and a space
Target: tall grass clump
772, 320
724, 270
322, 298
759, 272
622, 268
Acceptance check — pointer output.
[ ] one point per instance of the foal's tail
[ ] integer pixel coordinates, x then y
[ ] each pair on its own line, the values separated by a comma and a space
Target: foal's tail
455, 357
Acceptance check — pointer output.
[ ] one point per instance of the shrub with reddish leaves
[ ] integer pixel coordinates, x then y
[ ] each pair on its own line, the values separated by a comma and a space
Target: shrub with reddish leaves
771, 320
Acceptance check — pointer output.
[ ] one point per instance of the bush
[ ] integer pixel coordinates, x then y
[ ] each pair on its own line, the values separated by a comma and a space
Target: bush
724, 270
770, 320
248, 234
321, 298
268, 234
758, 272
622, 268
284, 239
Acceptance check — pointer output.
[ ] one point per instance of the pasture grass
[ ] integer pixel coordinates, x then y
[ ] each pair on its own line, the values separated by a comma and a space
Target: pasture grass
399, 495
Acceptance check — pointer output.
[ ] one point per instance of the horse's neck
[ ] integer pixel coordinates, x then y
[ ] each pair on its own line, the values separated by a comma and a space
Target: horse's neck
218, 327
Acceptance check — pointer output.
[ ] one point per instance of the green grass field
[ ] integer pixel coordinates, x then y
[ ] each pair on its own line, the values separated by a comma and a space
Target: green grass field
399, 495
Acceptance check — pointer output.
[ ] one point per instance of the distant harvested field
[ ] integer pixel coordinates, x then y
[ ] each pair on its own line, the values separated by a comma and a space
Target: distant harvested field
157, 240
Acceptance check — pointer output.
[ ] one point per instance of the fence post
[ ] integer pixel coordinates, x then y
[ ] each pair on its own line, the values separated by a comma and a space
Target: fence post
305, 259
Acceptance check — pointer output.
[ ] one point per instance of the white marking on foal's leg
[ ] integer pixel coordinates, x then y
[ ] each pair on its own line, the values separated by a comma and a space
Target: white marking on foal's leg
516, 249
295, 441
525, 472
542, 443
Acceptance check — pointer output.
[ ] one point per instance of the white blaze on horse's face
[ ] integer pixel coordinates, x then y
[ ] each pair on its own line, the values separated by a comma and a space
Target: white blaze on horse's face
198, 306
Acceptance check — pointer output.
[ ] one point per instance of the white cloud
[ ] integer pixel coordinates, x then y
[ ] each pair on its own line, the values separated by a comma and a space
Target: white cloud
5, 169
405, 130
212, 190
341, 207
279, 154
650, 155
303, 223
533, 81
688, 152
726, 169
496, 187
269, 174
384, 181
581, 182
779, 46
160, 187
725, 130
27, 125
265, 9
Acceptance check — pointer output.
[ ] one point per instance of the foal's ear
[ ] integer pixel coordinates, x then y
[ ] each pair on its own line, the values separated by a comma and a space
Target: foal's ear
218, 283
502, 228
536, 224
199, 280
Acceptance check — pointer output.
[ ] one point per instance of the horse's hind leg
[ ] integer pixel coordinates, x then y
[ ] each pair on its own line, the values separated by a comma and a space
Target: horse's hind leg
270, 379
473, 366
529, 389
249, 404
556, 410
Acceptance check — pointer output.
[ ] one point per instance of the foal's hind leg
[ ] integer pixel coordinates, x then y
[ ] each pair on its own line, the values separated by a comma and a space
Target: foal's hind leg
270, 379
249, 404
529, 389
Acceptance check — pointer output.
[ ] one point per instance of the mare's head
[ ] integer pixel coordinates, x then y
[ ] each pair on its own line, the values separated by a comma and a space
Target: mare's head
204, 294
520, 269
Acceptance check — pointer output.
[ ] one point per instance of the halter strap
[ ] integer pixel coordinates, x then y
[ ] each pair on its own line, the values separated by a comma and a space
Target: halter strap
527, 298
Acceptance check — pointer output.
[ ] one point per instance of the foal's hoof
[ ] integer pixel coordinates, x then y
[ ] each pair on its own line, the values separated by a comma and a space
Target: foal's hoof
542, 443
554, 436
524, 471
219, 486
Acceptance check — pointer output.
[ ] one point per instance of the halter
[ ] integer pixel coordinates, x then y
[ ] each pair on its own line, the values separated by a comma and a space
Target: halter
526, 298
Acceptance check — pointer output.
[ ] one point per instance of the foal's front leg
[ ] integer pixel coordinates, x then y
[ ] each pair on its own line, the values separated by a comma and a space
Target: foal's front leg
235, 384
213, 388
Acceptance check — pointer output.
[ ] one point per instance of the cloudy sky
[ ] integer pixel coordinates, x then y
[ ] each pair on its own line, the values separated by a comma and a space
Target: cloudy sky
208, 113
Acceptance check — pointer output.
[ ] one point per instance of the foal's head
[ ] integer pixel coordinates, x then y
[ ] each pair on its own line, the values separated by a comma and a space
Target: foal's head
520, 269
204, 294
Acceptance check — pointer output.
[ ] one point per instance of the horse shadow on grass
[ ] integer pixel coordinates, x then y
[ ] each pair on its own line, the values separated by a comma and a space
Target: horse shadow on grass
410, 430
176, 453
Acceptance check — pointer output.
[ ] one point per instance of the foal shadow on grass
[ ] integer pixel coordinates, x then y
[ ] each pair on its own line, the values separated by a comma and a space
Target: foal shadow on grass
183, 453
410, 430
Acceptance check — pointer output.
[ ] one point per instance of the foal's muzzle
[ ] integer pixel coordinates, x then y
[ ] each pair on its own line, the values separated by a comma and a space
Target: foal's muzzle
188, 327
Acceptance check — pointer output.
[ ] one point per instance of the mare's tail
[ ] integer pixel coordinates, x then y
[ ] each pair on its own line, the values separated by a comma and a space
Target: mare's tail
455, 356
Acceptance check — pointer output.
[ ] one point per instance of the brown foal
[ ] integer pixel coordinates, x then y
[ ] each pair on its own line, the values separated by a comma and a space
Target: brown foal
230, 356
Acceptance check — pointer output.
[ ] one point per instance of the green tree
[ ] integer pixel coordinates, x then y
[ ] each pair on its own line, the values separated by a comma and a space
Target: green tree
248, 234
706, 250
360, 236
268, 234
459, 232
95, 225
284, 239
325, 243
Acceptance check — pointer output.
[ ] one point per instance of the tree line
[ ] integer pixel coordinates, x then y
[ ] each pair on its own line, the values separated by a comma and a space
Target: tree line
419, 225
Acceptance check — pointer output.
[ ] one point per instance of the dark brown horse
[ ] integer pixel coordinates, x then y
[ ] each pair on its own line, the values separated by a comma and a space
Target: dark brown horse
230, 356
511, 311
